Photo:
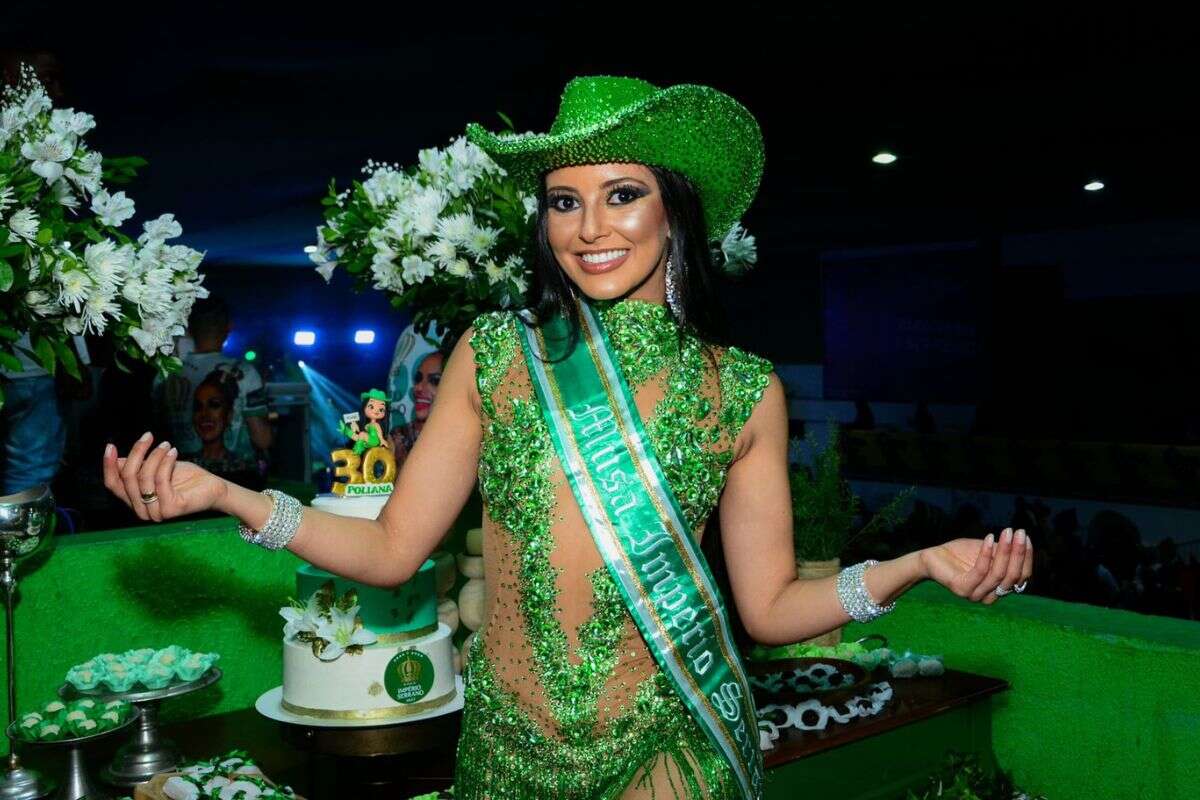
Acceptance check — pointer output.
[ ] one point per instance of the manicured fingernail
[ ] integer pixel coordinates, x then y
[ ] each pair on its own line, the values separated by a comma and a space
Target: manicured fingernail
161, 445
145, 437
172, 452
109, 449
1020, 537
1006, 536
989, 541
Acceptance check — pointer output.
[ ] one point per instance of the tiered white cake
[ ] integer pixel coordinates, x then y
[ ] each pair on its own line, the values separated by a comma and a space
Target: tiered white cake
396, 660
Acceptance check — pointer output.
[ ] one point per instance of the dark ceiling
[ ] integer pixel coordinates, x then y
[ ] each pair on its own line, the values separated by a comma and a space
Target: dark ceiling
247, 110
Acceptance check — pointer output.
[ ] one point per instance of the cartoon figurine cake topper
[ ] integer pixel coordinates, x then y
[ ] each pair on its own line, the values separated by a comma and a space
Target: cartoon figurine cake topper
368, 466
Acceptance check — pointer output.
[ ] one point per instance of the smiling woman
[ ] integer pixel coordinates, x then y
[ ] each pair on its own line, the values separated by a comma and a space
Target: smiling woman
604, 425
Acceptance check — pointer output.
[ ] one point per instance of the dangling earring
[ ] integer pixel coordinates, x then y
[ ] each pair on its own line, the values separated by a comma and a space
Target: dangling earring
673, 301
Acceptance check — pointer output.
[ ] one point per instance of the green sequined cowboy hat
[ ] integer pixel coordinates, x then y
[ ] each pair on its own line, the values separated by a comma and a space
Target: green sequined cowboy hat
697, 131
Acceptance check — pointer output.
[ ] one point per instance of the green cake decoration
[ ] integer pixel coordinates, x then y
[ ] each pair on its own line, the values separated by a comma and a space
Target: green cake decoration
395, 615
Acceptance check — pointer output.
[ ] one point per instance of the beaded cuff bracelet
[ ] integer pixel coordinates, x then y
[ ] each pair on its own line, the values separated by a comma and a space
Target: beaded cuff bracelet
280, 527
852, 591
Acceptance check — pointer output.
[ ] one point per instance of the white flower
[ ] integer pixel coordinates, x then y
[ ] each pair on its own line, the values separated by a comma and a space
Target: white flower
341, 631
459, 268
495, 273
67, 121
74, 285
87, 172
531, 204
326, 270
298, 620
423, 209
12, 121
107, 261
433, 162
161, 229
461, 179
35, 102
48, 154
61, 191
112, 210
40, 303
6, 198
456, 228
416, 269
101, 303
739, 249
385, 186
481, 240
443, 252
23, 224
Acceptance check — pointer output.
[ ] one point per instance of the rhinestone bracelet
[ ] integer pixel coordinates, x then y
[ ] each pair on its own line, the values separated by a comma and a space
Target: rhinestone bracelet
852, 591
280, 527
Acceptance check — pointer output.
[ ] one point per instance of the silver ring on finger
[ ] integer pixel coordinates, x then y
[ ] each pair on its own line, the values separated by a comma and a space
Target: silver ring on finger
149, 497
1000, 591
1019, 587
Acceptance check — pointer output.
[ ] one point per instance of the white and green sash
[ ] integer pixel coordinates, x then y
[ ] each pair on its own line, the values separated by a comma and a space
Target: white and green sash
641, 534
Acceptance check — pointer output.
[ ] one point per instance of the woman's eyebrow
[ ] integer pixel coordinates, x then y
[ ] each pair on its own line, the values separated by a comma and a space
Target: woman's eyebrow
606, 183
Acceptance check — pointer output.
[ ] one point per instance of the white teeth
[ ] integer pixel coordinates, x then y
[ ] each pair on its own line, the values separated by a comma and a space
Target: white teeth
600, 258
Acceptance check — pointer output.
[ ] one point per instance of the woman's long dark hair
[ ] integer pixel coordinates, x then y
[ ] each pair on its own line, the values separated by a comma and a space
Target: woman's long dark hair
698, 311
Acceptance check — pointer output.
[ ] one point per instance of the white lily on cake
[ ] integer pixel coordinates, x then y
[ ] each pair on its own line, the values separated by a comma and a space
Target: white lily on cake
342, 632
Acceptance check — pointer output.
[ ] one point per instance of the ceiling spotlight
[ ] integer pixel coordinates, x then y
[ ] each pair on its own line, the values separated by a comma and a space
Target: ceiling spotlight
364, 337
304, 338
251, 355
301, 363
312, 248
1094, 186
884, 158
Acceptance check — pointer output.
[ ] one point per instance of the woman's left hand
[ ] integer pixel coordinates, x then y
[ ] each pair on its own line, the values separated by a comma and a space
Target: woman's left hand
973, 568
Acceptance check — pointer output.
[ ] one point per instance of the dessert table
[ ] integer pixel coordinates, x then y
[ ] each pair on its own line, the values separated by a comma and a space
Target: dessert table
871, 758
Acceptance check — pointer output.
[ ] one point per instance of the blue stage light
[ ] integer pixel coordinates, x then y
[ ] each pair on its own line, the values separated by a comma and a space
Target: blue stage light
304, 338
364, 337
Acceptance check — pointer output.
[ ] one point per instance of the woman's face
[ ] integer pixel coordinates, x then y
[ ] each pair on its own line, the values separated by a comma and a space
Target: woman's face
375, 410
425, 385
608, 229
210, 414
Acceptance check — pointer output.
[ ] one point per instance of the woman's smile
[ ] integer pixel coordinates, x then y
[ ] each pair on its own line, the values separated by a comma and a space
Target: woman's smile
595, 262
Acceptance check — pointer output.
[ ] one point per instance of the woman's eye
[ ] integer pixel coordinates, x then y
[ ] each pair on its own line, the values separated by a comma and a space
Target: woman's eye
435, 379
627, 192
557, 201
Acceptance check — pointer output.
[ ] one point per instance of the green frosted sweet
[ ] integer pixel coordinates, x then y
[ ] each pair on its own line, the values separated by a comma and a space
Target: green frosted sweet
155, 675
170, 657
85, 678
120, 678
195, 665
139, 657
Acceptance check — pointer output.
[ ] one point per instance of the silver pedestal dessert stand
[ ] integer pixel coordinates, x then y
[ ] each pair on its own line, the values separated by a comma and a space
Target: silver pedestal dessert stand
76, 785
26, 523
148, 752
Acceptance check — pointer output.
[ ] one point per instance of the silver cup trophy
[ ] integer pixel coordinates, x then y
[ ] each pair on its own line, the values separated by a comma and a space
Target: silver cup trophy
26, 524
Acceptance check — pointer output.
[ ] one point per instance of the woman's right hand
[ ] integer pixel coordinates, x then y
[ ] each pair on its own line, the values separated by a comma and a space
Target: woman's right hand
180, 487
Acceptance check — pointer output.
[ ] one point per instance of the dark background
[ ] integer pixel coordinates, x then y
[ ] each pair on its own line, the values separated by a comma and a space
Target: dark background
245, 112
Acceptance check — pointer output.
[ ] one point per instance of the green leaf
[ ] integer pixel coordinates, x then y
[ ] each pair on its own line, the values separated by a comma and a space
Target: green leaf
10, 362
507, 121
6, 275
12, 250
45, 236
67, 356
44, 350
11, 334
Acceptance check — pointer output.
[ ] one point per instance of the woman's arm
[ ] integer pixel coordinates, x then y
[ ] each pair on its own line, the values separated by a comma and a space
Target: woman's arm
431, 489
775, 606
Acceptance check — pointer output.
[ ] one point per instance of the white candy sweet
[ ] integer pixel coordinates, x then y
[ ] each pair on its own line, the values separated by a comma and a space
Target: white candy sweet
470, 604
242, 790
471, 566
475, 541
176, 788
448, 614
217, 782
75, 716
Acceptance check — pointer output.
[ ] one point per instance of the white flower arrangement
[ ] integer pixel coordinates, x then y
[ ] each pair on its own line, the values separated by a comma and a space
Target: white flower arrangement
449, 236
65, 271
330, 624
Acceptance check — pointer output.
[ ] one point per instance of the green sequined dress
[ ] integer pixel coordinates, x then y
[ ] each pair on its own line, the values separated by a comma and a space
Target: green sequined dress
563, 699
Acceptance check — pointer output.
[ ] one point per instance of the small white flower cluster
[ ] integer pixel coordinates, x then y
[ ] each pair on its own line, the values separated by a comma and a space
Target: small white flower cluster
82, 274
432, 221
331, 629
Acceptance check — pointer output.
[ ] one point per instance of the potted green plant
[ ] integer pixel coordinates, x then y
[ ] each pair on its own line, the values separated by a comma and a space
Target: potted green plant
825, 512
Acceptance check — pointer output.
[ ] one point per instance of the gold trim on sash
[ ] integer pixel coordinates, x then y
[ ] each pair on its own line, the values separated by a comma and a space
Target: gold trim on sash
374, 713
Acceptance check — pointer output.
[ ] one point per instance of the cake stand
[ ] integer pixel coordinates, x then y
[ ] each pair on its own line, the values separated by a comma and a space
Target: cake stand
344, 737
76, 785
148, 752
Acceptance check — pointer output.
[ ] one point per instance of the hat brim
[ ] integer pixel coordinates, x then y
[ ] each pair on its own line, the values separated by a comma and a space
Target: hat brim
697, 131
